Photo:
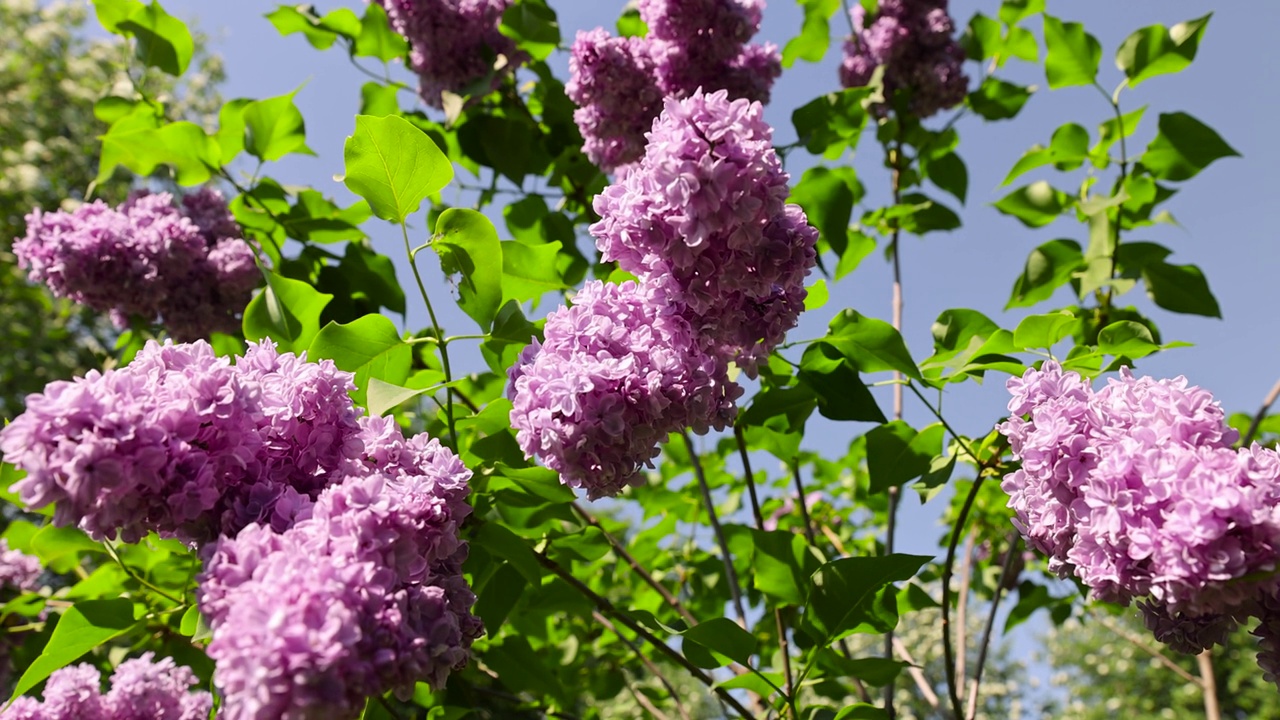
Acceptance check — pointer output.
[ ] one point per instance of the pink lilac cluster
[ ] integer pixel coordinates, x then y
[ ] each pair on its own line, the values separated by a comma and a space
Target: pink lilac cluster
704, 213
363, 594
617, 373
18, 570
141, 689
452, 43
185, 443
187, 265
619, 83
1137, 491
914, 41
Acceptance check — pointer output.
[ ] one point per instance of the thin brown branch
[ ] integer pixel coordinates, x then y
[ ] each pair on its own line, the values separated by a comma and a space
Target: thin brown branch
649, 664
948, 652
1015, 542
635, 565
1151, 650
1209, 685
1262, 412
647, 704
962, 605
730, 573
922, 683
607, 608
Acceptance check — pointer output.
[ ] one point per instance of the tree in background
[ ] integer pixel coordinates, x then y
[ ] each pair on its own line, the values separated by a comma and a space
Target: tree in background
51, 77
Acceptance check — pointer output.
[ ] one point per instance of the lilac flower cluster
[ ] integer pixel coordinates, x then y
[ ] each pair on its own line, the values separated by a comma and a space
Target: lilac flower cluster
188, 265
704, 212
363, 595
141, 689
18, 570
701, 220
618, 372
184, 443
618, 83
1137, 491
452, 43
913, 40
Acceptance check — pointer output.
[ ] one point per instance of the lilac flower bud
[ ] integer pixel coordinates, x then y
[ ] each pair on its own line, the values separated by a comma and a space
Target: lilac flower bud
914, 43
618, 372
452, 43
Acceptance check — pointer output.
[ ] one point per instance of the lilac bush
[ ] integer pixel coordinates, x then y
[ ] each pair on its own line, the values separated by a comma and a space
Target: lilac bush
692, 45
704, 212
148, 258
452, 43
914, 41
618, 372
141, 689
183, 443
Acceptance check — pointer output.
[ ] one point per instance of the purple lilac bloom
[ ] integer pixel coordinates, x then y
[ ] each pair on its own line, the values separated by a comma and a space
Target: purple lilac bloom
704, 213
618, 83
141, 689
913, 40
188, 265
618, 372
452, 43
612, 80
1136, 490
363, 594
183, 443
18, 570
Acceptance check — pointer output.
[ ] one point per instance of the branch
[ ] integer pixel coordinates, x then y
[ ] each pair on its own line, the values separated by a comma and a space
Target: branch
608, 608
962, 603
948, 652
1014, 543
635, 565
647, 663
1149, 649
732, 575
1262, 411
916, 674
1210, 686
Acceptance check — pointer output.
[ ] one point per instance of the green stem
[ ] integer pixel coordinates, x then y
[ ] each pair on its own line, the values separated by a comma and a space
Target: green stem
141, 581
435, 325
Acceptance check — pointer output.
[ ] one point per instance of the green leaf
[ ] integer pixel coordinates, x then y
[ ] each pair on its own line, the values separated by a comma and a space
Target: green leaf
140, 144
835, 383
996, 99
59, 548
1048, 268
289, 19
829, 124
379, 100
816, 295
377, 39
842, 593
1155, 50
533, 26
1183, 147
1071, 54
510, 547
83, 627
1180, 289
1035, 205
467, 243
230, 135
1043, 331
530, 271
630, 24
393, 165
781, 564
982, 38
827, 196
113, 12
1013, 12
815, 33
871, 345
384, 396
287, 311
1128, 338
949, 173
163, 41
370, 347
897, 454
274, 128
1110, 131
723, 637
862, 711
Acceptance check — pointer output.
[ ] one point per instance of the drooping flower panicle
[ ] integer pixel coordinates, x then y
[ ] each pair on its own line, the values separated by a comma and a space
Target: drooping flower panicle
452, 43
188, 266
618, 83
618, 372
914, 41
704, 212
364, 594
